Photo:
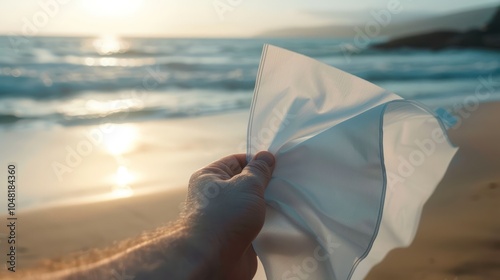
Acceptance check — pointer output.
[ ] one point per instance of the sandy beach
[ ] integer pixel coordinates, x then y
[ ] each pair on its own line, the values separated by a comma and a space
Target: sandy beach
458, 238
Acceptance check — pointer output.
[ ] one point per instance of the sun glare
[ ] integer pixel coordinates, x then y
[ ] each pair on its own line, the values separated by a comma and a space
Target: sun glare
107, 45
121, 140
123, 178
106, 8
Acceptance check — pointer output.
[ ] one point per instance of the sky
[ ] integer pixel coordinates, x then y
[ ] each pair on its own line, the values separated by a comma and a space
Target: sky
198, 18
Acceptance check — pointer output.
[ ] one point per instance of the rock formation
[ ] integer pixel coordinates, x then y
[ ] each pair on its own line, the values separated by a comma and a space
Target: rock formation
487, 37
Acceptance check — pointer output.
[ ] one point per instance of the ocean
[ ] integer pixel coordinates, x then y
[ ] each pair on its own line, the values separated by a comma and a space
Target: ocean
46, 82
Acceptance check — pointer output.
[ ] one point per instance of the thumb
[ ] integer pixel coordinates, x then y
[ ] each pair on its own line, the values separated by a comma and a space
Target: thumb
259, 170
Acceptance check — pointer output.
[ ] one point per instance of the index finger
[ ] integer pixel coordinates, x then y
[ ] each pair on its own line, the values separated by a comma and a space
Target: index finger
225, 168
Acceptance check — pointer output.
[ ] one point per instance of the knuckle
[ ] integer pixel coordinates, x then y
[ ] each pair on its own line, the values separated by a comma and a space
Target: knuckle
260, 168
194, 177
197, 176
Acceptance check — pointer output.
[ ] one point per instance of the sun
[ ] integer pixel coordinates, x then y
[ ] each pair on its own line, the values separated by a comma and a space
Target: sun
107, 8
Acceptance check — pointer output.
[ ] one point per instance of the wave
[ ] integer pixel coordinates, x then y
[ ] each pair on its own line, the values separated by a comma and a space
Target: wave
420, 75
8, 118
36, 88
199, 104
138, 53
44, 81
191, 76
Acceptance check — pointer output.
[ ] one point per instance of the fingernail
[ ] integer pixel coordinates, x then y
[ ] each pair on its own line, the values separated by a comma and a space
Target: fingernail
266, 157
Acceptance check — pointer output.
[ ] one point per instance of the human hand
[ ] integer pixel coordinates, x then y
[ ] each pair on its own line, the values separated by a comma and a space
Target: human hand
226, 206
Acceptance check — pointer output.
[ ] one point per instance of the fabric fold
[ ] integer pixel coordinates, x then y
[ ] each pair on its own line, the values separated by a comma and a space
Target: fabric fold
355, 164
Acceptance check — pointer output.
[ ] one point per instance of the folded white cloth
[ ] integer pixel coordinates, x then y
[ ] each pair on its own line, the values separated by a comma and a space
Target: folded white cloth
355, 164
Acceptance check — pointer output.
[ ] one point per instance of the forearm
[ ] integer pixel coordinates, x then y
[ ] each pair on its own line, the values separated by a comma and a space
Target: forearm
178, 252
211, 241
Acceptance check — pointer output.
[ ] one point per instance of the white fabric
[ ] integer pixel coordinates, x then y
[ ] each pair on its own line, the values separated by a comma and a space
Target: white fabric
355, 164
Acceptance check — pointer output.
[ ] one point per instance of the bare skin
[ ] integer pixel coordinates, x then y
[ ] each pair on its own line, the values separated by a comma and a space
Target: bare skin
225, 211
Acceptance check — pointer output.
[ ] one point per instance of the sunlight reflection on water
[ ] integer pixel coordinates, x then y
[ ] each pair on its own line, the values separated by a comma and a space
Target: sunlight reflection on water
121, 140
122, 178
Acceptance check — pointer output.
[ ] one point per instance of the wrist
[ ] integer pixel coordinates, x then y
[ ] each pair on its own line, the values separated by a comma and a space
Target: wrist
223, 250
202, 250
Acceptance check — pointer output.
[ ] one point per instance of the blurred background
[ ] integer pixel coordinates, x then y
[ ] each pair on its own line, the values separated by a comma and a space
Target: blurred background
75, 63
